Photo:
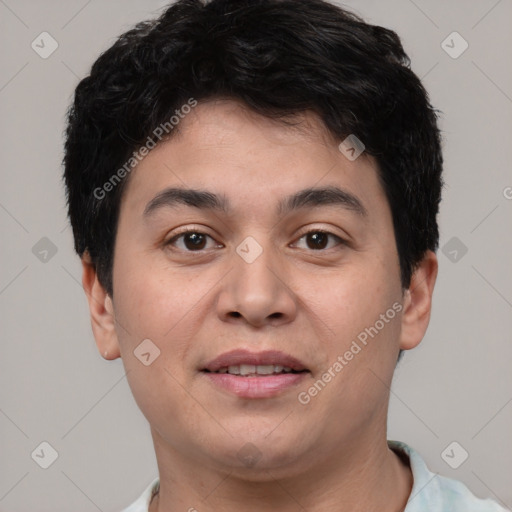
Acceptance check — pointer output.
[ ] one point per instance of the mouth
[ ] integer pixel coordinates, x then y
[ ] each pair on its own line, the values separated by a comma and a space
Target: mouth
246, 363
255, 375
251, 370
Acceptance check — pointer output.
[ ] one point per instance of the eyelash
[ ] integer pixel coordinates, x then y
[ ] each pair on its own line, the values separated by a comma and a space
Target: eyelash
176, 237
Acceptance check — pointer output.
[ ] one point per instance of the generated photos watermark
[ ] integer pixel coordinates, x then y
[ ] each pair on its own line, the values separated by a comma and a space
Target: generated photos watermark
305, 397
158, 133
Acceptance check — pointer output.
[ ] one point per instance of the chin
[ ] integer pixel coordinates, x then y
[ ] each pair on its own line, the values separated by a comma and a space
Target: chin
252, 457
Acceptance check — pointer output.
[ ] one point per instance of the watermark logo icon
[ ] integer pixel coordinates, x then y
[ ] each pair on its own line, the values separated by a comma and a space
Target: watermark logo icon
249, 249
44, 45
44, 250
44, 455
249, 455
454, 455
352, 147
146, 352
454, 45
454, 249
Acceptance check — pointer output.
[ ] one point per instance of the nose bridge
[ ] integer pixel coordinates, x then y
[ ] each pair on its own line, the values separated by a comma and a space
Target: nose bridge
256, 289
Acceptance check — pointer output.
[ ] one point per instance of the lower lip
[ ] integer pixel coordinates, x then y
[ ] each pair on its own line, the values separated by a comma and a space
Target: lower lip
261, 386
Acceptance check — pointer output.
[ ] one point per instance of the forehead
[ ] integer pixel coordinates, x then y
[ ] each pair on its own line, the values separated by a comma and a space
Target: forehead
225, 147
226, 115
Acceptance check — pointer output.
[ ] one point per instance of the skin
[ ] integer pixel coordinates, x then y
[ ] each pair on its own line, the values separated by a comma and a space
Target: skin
330, 454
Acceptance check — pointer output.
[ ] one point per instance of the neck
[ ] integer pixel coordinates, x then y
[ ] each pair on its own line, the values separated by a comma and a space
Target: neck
363, 476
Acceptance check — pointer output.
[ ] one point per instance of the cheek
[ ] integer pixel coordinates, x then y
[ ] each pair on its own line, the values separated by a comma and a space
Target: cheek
350, 301
150, 299
361, 346
153, 304
361, 309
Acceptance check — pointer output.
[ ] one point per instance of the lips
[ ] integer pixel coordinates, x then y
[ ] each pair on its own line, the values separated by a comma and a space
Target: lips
245, 363
255, 375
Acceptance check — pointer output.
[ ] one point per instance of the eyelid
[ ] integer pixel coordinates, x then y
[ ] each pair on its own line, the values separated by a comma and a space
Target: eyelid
327, 231
340, 240
200, 230
186, 230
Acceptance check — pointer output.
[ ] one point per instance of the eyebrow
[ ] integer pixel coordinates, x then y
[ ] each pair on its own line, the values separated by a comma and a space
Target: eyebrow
322, 196
306, 198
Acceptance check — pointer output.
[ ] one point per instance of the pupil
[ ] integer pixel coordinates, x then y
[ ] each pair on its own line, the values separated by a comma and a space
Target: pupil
196, 239
319, 240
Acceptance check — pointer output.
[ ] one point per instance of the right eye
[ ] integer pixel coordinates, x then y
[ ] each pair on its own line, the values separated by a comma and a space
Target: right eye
190, 241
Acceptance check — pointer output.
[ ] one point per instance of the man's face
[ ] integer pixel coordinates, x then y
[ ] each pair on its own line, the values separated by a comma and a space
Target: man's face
258, 276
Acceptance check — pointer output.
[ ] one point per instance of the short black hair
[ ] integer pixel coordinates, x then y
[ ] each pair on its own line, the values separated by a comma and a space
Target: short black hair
280, 58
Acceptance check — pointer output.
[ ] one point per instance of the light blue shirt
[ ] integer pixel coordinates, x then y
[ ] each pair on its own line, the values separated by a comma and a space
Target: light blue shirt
430, 491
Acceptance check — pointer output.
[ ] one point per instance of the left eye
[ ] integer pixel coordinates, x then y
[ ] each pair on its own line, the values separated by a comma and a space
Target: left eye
318, 240
190, 241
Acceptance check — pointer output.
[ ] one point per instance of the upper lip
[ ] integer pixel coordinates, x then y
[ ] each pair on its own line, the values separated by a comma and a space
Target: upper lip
267, 357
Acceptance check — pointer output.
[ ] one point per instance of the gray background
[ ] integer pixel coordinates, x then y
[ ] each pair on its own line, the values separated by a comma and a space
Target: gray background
55, 387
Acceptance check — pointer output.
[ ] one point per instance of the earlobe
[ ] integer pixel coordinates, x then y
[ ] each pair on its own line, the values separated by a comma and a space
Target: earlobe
417, 303
101, 311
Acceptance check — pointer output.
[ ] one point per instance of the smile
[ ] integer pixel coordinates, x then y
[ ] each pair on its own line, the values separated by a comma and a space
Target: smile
251, 370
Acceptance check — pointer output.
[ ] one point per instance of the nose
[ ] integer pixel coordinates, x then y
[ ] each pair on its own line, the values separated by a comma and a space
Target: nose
257, 292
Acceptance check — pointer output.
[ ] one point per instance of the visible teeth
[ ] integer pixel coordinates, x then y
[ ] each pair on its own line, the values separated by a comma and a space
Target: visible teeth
267, 369
246, 369
251, 369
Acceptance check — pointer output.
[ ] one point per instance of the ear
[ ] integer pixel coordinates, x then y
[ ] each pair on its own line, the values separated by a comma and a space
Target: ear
418, 302
101, 310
